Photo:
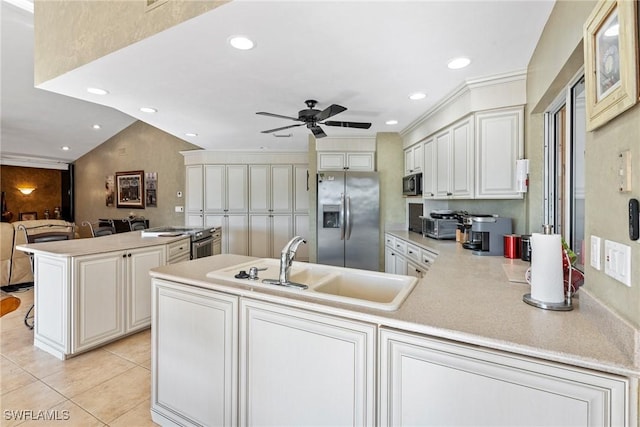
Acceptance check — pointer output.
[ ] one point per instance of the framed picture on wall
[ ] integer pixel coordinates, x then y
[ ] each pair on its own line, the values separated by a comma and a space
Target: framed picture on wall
130, 189
28, 216
611, 64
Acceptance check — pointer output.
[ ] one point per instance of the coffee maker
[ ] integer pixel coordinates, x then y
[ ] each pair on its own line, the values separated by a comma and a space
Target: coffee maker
487, 235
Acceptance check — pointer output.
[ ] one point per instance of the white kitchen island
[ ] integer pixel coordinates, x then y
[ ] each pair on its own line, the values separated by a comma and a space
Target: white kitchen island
463, 349
92, 291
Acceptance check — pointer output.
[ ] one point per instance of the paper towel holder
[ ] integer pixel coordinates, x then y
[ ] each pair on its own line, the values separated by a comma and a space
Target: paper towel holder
566, 305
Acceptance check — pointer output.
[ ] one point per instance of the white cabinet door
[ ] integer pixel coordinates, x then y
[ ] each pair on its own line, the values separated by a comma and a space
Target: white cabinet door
400, 264
430, 168
360, 161
331, 161
301, 188
413, 159
270, 188
259, 235
461, 176
389, 260
281, 191
235, 232
215, 188
194, 356
430, 382
269, 234
138, 292
442, 172
499, 143
98, 290
408, 161
237, 189
301, 368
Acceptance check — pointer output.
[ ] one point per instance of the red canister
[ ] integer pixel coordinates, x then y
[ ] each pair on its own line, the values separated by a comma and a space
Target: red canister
512, 246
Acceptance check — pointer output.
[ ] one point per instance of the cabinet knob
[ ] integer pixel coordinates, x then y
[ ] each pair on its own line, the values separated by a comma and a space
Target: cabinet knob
129, 255
124, 255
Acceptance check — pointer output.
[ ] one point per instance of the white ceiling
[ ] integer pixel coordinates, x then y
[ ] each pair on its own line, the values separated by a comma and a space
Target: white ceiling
365, 55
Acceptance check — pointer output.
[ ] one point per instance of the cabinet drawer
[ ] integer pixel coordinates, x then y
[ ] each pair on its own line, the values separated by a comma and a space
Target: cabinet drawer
178, 249
413, 252
427, 258
400, 246
389, 241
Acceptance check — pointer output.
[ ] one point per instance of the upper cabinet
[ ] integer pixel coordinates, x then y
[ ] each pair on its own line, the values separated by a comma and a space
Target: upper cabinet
499, 143
355, 161
413, 159
454, 161
475, 158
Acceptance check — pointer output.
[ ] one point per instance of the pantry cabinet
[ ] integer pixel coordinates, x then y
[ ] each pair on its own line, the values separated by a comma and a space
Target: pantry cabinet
269, 233
197, 331
270, 188
328, 380
235, 232
215, 189
426, 381
499, 144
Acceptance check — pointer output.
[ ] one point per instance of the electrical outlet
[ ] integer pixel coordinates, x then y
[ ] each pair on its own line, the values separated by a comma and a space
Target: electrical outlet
179, 208
596, 243
617, 261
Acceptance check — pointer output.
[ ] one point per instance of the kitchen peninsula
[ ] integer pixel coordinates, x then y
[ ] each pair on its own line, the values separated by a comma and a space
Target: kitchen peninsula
462, 349
92, 291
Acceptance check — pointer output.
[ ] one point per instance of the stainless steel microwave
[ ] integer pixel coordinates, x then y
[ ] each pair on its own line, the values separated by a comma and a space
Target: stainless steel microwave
412, 185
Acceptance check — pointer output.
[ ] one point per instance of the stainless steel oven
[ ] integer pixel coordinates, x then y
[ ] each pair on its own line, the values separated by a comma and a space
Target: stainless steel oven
202, 248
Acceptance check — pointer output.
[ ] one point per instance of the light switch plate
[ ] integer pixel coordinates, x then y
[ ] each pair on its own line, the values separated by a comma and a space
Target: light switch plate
617, 261
596, 244
624, 171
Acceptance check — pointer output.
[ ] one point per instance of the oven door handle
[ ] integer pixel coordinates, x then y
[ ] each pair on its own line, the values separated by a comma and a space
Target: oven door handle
196, 244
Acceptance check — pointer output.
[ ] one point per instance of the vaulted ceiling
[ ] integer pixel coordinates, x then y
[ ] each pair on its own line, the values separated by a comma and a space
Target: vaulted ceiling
367, 56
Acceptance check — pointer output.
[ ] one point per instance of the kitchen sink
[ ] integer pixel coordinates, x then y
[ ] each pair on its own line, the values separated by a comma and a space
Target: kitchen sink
364, 288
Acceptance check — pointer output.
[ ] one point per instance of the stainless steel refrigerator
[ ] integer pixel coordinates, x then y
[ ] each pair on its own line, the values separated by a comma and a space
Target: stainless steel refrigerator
349, 219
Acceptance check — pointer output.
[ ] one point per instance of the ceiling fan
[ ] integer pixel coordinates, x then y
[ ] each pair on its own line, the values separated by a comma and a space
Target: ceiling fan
312, 118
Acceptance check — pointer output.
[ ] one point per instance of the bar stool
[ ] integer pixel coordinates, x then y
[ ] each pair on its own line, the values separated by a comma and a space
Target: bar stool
102, 227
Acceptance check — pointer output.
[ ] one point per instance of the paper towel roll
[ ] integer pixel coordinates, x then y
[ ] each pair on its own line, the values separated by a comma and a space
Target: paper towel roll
546, 268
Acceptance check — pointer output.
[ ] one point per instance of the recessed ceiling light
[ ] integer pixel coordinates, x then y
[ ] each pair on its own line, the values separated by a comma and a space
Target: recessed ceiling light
391, 122
417, 96
458, 63
97, 91
96, 126
191, 134
241, 42
148, 110
65, 148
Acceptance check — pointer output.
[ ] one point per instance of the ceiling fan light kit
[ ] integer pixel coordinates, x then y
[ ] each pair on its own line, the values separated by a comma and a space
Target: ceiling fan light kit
312, 118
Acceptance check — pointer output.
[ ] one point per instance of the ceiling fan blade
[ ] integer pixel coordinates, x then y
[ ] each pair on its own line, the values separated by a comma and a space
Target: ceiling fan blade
317, 131
330, 111
262, 113
282, 128
358, 125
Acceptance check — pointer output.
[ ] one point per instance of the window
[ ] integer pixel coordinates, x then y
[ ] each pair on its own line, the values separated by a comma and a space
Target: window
565, 122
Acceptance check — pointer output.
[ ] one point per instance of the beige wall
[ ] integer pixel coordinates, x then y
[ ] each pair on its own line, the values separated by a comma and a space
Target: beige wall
71, 33
558, 56
138, 147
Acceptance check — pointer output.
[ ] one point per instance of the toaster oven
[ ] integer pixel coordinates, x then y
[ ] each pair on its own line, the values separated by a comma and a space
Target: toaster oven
441, 229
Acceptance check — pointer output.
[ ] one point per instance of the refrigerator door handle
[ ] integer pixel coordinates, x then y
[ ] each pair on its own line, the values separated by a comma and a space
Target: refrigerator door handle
342, 225
348, 217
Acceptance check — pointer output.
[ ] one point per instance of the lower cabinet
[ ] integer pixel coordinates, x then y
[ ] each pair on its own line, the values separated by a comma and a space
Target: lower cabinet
427, 381
194, 356
112, 294
301, 368
235, 232
223, 360
268, 234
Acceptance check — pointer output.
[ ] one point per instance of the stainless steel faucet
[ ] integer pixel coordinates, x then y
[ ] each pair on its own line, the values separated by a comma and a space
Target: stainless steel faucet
286, 258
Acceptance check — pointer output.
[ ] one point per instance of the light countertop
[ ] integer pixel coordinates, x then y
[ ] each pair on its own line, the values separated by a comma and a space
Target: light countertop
96, 245
464, 298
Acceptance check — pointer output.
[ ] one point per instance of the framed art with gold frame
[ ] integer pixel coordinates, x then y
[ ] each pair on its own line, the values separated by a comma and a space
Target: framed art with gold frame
611, 65
130, 189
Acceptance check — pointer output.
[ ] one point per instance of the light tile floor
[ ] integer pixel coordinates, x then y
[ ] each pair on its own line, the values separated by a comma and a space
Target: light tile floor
108, 386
